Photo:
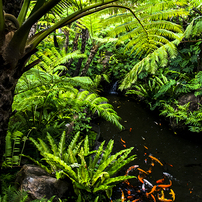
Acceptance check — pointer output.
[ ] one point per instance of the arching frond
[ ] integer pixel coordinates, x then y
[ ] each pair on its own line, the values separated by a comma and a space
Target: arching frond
149, 63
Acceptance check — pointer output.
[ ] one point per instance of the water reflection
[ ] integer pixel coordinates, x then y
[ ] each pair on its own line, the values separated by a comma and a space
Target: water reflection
142, 128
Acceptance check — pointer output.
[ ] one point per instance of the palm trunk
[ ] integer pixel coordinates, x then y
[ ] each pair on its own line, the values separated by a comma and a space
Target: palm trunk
93, 51
8, 81
83, 48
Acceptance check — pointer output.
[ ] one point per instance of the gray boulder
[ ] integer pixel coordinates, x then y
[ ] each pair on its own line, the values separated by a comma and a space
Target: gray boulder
39, 184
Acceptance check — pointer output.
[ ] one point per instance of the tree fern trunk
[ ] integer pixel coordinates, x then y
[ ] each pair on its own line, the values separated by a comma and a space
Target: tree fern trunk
66, 32
83, 48
93, 51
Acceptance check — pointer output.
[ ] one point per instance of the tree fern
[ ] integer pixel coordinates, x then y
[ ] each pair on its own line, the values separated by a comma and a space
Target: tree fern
49, 99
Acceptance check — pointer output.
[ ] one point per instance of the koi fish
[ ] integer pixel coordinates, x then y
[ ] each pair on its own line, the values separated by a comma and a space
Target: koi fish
152, 190
128, 183
124, 145
123, 141
140, 179
148, 183
155, 159
150, 170
164, 199
160, 181
130, 129
130, 197
172, 193
153, 197
142, 171
122, 195
136, 200
165, 185
131, 168
145, 147
143, 187
128, 192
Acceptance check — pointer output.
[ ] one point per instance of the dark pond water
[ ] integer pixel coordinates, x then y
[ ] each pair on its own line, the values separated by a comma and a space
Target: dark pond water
182, 151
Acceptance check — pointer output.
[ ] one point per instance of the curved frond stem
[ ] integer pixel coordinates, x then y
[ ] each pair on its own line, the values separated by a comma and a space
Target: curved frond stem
20, 37
23, 11
79, 14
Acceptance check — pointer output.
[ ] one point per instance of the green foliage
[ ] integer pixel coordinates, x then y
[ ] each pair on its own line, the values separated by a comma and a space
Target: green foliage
58, 149
91, 171
46, 102
12, 149
12, 195
183, 116
53, 60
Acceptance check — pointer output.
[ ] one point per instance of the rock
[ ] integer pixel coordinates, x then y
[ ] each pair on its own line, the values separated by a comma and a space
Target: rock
39, 184
190, 97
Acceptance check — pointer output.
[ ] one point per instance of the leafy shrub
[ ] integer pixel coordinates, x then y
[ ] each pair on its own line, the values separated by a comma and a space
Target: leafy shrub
91, 171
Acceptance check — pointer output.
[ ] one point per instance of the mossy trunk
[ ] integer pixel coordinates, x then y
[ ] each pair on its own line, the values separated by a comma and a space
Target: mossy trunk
83, 48
93, 51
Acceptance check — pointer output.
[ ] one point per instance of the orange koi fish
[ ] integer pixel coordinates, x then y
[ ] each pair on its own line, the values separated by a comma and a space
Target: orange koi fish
142, 171
150, 170
152, 190
122, 196
124, 145
140, 179
145, 147
165, 185
136, 200
155, 159
130, 129
123, 141
129, 197
128, 183
160, 181
153, 197
128, 192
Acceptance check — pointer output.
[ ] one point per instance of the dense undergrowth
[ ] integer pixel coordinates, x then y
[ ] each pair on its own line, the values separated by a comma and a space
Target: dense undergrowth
55, 103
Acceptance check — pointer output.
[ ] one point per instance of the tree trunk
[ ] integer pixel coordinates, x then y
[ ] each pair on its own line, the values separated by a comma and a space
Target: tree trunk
8, 81
75, 47
12, 6
93, 51
83, 48
66, 32
199, 59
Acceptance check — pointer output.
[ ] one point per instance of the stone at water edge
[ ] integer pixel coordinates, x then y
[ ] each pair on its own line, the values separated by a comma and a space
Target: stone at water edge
39, 183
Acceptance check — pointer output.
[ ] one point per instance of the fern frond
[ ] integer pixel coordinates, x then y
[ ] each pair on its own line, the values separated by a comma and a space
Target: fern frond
52, 144
39, 164
68, 170
61, 146
114, 180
